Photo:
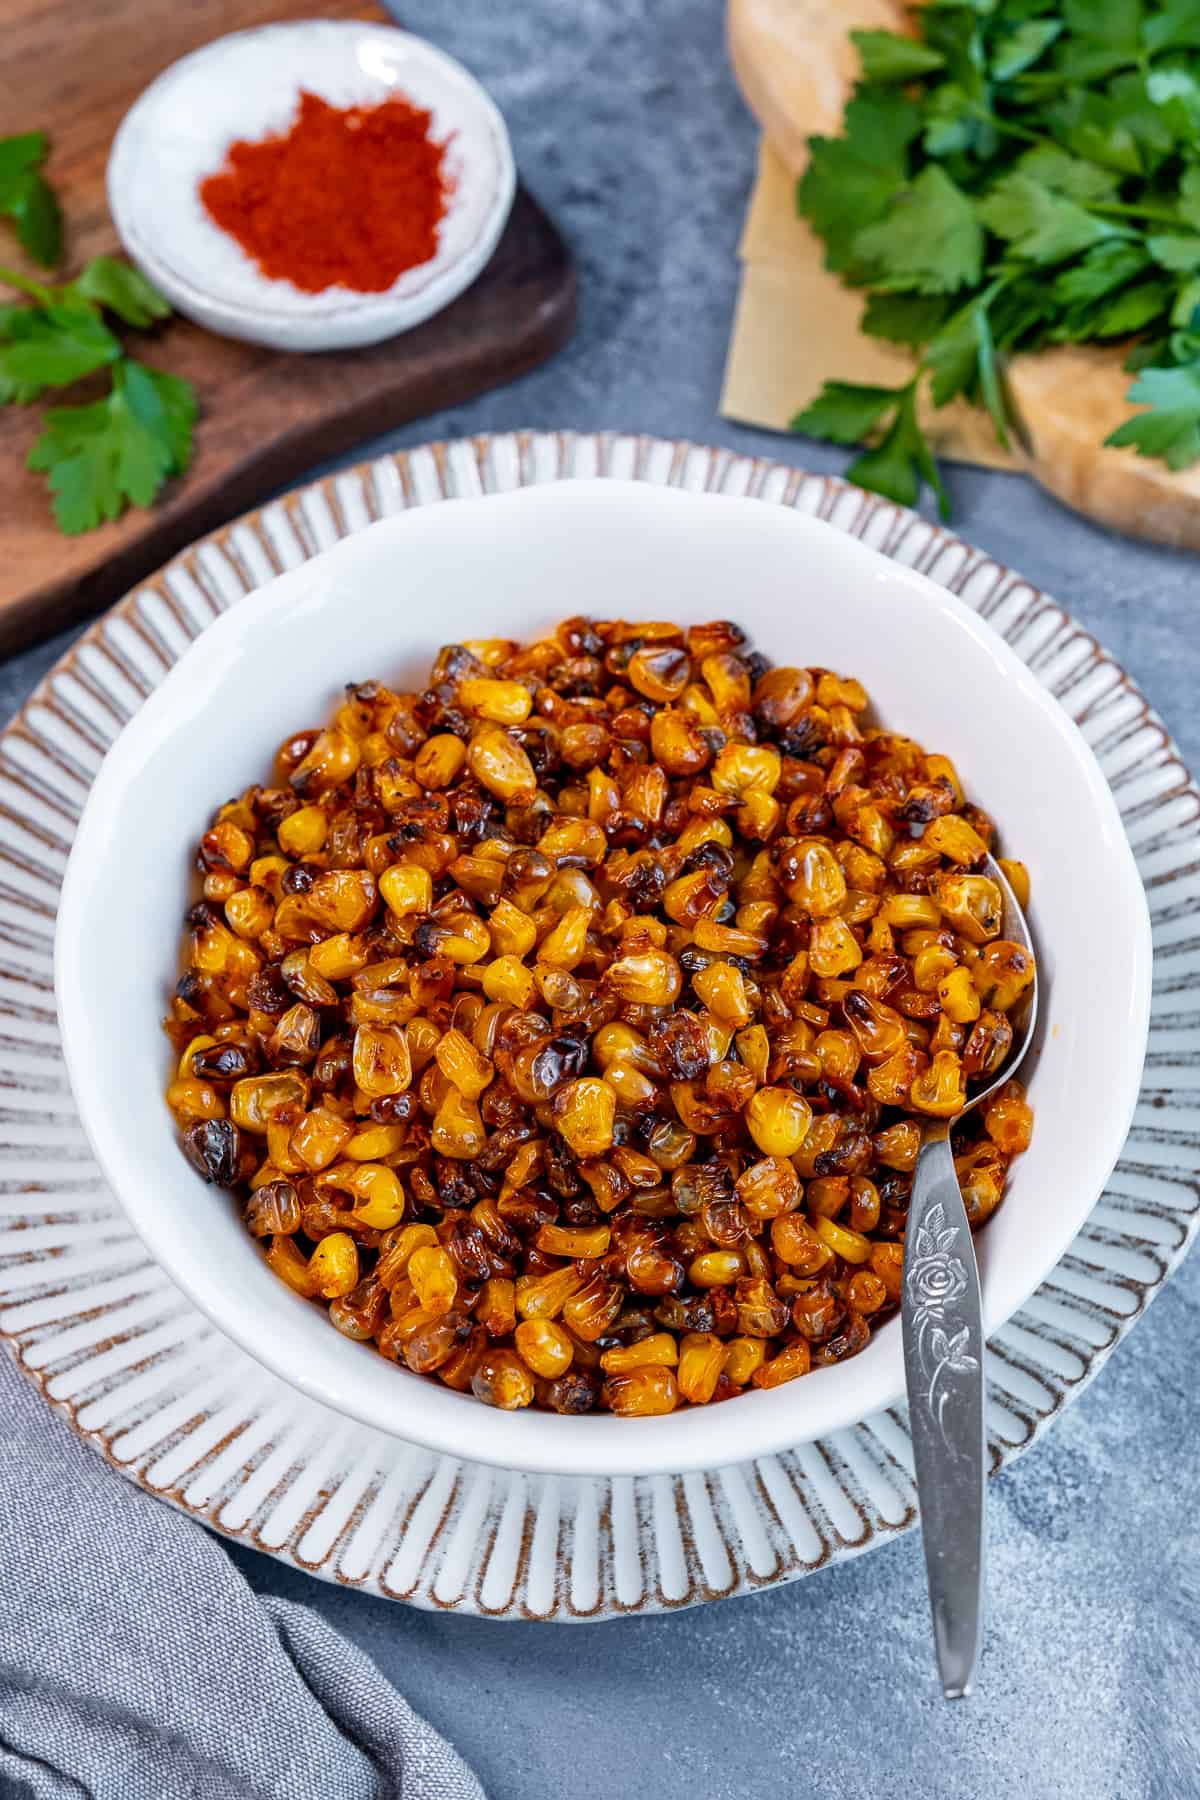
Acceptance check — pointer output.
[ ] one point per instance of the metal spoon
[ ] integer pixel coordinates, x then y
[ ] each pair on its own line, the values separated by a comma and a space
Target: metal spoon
942, 1323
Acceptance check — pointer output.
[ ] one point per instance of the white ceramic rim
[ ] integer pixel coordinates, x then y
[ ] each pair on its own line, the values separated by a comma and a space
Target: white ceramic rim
427, 1414
333, 319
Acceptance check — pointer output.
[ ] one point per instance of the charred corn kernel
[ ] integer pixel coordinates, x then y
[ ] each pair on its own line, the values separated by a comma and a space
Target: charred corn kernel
659, 1351
500, 765
1017, 877
318, 1138
728, 940
1008, 1119
374, 1142
462, 1065
439, 761
972, 904
250, 912
333, 1266
647, 977
701, 1362
689, 898
850, 1245
833, 948
743, 1355
704, 831
842, 690
940, 768
490, 651
865, 1292
742, 769
642, 1393
511, 931
930, 965
953, 837
795, 1360
722, 988
583, 1241
676, 743
574, 841
817, 885
958, 996
754, 1048
778, 1119
501, 1379
458, 1130
392, 1267
254, 1099
613, 1043
758, 815
503, 702
508, 980
267, 872
796, 1243
303, 832
342, 899
464, 939
566, 944
192, 1099
940, 1089
381, 1060
378, 1195
880, 1029
1003, 973
406, 888
290, 1264
544, 1296
631, 1087
905, 912
585, 1112
431, 1271
545, 1346
338, 957
496, 1309
716, 1268
887, 1262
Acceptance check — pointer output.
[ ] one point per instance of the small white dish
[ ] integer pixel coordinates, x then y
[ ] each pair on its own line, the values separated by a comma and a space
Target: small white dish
247, 86
382, 602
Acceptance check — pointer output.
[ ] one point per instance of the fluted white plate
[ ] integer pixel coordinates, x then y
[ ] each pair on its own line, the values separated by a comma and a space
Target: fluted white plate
190, 1417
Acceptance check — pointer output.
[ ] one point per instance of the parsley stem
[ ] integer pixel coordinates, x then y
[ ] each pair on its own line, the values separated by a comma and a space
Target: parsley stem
35, 289
1126, 211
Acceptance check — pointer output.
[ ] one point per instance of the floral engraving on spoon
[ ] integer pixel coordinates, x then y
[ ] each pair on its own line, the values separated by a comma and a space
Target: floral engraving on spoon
936, 1278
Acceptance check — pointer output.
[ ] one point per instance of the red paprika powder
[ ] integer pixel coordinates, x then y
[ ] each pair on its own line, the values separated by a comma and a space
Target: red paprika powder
348, 197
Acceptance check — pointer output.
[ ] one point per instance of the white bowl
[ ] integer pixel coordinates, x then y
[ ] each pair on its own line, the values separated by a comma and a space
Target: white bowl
246, 86
381, 603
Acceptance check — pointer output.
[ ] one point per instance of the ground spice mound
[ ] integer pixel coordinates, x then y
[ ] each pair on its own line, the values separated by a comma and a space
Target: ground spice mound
348, 197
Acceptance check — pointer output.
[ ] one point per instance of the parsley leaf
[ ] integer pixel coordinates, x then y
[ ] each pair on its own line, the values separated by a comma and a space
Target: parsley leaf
1065, 174
1175, 251
27, 199
117, 451
845, 413
53, 346
929, 243
1041, 226
1170, 428
903, 318
897, 467
887, 57
124, 290
850, 180
1023, 47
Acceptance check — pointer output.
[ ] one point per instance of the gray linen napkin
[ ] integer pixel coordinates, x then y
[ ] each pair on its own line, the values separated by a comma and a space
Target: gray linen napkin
137, 1664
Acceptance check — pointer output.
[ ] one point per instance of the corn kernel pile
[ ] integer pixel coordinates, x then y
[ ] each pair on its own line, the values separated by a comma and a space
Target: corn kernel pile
568, 1028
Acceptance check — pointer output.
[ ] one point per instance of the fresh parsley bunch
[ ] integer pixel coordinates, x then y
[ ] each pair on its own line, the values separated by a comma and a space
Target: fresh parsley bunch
114, 451
1025, 173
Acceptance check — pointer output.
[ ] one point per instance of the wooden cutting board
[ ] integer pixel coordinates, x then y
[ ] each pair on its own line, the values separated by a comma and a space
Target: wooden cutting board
73, 71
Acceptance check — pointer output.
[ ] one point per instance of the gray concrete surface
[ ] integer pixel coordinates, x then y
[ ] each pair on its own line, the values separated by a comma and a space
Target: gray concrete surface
628, 127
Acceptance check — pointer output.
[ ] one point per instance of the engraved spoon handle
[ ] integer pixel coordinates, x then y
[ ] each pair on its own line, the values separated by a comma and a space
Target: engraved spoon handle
943, 1365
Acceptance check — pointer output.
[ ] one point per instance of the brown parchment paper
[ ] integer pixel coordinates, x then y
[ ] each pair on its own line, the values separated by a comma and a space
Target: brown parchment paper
796, 327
